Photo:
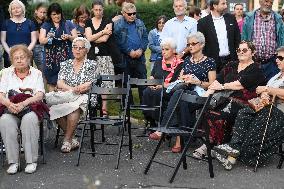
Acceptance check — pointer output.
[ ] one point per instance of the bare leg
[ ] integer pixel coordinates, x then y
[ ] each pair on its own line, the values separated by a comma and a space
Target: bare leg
62, 122
104, 103
72, 121
177, 144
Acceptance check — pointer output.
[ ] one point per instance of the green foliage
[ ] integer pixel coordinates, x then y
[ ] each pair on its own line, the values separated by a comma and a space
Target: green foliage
148, 12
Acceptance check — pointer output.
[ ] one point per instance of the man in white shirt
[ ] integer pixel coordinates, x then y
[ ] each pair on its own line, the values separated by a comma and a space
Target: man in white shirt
180, 26
221, 33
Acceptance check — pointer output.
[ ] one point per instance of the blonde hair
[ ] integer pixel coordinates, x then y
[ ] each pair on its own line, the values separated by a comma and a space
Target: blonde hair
20, 47
18, 2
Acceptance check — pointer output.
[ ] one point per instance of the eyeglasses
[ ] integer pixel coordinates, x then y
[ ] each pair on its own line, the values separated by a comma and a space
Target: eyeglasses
281, 58
192, 44
244, 50
131, 13
161, 22
19, 27
78, 48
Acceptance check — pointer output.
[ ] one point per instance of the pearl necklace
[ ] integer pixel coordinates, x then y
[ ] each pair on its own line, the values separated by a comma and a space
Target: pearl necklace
196, 61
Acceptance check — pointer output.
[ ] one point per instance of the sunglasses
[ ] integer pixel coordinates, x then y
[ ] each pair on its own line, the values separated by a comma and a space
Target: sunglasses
281, 58
131, 13
244, 50
78, 48
192, 44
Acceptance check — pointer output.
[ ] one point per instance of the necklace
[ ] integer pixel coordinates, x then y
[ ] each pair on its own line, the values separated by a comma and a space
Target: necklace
198, 60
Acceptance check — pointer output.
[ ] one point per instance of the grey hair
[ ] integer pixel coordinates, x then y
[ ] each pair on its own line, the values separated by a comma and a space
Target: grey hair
169, 41
280, 49
86, 42
184, 2
18, 2
128, 6
197, 35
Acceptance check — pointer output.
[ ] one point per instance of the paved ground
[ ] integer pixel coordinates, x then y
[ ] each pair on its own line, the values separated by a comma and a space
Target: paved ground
61, 172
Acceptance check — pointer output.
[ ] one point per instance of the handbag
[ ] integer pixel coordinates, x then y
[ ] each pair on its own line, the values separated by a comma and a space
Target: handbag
219, 98
258, 103
60, 97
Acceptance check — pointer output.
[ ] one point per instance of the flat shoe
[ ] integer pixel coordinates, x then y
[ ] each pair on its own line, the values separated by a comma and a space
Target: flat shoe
66, 147
176, 149
13, 168
30, 168
154, 136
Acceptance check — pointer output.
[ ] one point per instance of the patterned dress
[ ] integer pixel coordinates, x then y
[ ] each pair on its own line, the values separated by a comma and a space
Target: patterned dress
87, 73
249, 129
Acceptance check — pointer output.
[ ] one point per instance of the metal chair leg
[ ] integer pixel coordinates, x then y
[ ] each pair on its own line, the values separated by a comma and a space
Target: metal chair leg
92, 138
2, 151
129, 141
57, 137
81, 143
281, 153
42, 146
154, 154
119, 147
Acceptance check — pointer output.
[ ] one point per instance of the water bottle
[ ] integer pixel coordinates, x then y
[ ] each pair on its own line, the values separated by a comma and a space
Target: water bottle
49, 40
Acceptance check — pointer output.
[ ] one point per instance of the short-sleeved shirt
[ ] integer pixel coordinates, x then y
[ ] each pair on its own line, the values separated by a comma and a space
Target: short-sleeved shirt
37, 26
104, 48
10, 80
87, 73
201, 69
250, 78
18, 33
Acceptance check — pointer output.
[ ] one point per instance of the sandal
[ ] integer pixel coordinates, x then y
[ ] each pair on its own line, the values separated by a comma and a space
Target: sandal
74, 143
200, 153
176, 149
155, 136
66, 147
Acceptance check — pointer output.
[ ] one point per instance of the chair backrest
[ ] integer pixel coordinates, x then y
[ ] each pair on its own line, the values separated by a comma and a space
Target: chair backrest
145, 82
118, 79
192, 99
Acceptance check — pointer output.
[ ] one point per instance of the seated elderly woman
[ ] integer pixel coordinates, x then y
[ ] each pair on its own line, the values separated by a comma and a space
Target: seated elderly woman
169, 69
74, 79
249, 128
21, 91
237, 84
198, 73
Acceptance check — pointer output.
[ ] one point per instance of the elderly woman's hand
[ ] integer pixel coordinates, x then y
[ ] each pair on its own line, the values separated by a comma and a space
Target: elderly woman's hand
261, 89
216, 86
76, 90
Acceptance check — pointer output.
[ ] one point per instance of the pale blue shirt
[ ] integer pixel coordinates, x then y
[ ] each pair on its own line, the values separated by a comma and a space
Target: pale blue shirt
179, 30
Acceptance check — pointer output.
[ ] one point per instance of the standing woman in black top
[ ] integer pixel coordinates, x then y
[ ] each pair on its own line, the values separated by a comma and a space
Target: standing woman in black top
98, 31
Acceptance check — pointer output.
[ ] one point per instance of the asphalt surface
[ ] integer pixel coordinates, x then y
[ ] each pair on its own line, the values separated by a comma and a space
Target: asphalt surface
98, 172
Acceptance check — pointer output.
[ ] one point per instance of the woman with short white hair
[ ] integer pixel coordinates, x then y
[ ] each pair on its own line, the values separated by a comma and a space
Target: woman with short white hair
168, 69
74, 78
17, 30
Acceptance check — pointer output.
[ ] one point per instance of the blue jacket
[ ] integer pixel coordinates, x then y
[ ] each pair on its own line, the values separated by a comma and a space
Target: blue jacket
154, 45
121, 32
248, 28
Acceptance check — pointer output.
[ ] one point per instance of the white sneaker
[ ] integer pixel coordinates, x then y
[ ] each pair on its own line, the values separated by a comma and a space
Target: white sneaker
30, 168
13, 168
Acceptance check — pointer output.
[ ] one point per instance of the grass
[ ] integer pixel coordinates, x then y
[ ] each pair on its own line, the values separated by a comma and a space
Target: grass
113, 108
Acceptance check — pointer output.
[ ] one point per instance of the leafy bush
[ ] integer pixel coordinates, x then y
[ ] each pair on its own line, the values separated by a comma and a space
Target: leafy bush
148, 12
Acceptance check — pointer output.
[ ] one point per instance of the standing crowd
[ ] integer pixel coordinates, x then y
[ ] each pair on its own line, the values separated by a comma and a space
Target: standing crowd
207, 52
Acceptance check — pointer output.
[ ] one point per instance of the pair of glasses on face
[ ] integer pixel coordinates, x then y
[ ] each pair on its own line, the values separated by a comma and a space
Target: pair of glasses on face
281, 58
161, 22
131, 13
78, 48
192, 44
244, 50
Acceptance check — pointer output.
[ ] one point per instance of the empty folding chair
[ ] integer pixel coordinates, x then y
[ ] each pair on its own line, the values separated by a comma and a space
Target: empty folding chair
98, 119
184, 132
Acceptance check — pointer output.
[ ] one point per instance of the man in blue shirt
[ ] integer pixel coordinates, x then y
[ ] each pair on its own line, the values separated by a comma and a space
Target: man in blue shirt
132, 39
180, 26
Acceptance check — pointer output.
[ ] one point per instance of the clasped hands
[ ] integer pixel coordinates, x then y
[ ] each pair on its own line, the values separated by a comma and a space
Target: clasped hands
16, 108
135, 53
190, 79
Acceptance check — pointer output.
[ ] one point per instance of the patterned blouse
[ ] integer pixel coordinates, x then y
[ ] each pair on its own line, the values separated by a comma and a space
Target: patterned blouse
87, 73
201, 69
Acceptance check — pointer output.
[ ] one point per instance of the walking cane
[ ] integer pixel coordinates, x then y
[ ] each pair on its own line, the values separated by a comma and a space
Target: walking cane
265, 130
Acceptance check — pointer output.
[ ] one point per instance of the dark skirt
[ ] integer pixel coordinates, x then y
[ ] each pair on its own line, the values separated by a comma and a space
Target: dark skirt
151, 98
248, 133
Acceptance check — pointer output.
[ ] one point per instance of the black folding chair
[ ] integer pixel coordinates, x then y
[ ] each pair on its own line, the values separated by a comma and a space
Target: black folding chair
142, 107
184, 131
98, 119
